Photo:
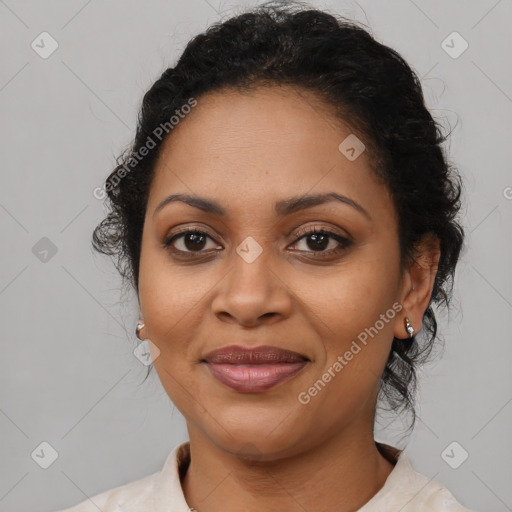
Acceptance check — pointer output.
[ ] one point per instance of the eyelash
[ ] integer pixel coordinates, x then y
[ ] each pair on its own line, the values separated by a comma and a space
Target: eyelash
344, 242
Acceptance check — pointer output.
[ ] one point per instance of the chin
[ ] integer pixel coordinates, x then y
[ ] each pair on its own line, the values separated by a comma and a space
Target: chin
264, 438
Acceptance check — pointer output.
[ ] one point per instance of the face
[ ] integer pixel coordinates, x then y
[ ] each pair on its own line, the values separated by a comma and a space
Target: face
256, 273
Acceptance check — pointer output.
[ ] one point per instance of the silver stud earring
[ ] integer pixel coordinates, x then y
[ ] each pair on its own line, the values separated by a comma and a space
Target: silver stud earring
140, 326
408, 327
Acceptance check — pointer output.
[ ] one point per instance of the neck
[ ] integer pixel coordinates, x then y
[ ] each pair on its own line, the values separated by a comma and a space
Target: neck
342, 473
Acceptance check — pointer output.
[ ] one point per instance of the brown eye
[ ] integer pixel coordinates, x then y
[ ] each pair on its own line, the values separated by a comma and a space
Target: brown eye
321, 240
189, 241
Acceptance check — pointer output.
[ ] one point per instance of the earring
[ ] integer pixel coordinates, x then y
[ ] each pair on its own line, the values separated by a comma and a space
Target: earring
140, 326
408, 327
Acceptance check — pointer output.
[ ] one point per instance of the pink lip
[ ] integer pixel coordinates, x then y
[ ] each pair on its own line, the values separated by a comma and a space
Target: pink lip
254, 369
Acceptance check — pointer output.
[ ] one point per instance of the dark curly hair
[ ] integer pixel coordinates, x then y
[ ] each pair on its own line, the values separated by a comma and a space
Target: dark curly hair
365, 84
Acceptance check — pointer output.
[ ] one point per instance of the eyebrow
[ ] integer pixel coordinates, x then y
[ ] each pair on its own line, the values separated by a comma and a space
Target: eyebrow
282, 208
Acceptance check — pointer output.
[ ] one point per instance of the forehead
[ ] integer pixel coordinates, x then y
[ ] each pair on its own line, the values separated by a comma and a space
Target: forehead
265, 122
265, 144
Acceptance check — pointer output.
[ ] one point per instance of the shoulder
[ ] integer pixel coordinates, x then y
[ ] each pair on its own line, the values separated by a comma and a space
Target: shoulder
442, 500
123, 498
433, 496
158, 492
412, 491
407, 490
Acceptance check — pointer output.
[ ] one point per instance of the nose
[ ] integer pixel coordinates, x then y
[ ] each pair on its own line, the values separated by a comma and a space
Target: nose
252, 293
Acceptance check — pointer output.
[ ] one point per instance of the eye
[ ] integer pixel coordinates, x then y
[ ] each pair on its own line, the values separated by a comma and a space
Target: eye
193, 242
190, 241
322, 241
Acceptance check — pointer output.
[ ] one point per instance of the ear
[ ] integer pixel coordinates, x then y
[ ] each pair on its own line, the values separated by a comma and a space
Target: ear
417, 284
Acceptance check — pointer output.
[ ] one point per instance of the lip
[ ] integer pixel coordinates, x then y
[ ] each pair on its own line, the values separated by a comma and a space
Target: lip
254, 369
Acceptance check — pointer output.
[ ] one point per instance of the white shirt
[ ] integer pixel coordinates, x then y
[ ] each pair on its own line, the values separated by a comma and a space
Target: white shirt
404, 489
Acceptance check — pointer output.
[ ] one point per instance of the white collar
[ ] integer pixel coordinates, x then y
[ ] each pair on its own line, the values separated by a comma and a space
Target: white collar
404, 489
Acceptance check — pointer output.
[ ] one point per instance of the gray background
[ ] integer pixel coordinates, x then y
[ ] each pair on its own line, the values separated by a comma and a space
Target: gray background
67, 372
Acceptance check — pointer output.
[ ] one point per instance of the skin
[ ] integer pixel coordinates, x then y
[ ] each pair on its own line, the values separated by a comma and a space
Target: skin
266, 450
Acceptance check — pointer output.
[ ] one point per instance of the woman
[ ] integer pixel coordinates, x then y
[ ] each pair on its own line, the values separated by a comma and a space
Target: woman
287, 218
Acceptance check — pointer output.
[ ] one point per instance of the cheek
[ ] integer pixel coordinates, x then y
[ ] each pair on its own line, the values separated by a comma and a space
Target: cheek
169, 300
354, 295
169, 304
352, 311
356, 338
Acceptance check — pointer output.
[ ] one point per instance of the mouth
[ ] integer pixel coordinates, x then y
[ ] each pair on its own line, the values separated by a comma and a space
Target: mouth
254, 369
